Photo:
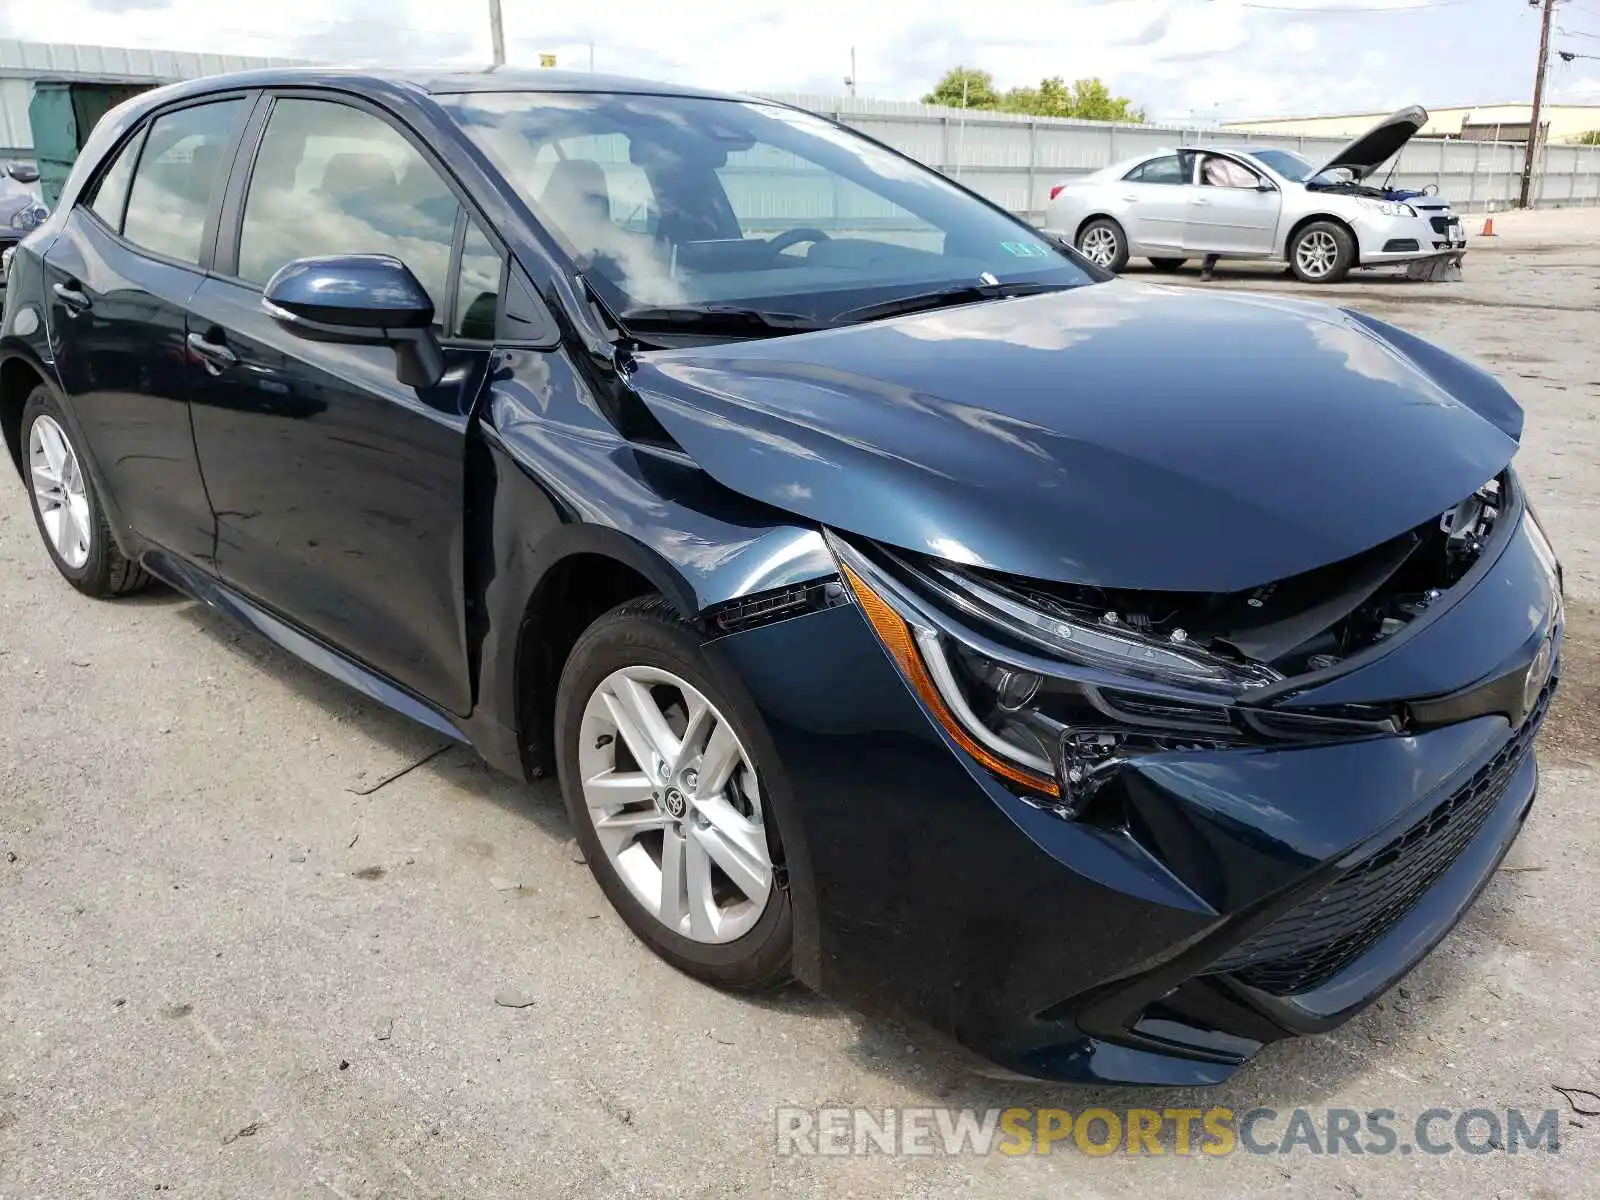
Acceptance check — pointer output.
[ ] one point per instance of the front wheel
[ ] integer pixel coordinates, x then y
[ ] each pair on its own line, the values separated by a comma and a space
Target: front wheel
1103, 243
1322, 252
669, 799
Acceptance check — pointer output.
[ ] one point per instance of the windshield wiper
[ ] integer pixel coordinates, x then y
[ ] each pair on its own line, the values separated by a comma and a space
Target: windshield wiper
966, 293
713, 319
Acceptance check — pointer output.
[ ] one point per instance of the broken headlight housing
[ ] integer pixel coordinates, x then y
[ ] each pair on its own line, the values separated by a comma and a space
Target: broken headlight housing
1054, 699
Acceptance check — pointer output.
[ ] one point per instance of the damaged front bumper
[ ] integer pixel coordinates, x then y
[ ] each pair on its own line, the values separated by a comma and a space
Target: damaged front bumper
1213, 899
1429, 247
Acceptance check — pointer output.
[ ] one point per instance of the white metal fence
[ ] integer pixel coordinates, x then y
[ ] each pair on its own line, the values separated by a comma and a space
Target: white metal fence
1014, 160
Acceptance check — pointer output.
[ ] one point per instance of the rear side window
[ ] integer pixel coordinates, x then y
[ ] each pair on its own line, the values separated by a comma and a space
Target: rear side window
179, 169
1168, 169
112, 193
331, 179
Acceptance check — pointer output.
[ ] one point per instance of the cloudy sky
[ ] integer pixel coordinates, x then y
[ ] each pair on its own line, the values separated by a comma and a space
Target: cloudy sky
1181, 59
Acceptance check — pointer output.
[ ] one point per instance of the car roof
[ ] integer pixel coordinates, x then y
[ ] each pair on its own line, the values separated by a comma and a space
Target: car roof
449, 81
1249, 150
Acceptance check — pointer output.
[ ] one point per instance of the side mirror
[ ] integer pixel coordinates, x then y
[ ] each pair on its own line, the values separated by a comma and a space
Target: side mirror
1264, 186
23, 172
362, 300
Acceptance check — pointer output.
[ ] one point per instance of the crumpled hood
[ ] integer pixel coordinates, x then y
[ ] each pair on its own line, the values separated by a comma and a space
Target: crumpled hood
1122, 435
1379, 144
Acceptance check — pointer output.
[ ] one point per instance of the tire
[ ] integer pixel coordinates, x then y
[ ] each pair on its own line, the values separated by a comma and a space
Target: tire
1103, 243
82, 549
1322, 252
716, 932
1168, 265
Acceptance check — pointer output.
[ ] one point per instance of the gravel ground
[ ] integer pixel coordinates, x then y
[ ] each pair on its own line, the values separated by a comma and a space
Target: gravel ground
232, 964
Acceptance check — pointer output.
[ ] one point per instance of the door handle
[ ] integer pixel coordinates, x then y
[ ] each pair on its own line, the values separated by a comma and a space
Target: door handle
217, 358
1132, 198
1200, 202
70, 296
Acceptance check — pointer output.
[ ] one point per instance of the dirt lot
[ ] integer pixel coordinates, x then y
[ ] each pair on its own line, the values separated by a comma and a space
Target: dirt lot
232, 964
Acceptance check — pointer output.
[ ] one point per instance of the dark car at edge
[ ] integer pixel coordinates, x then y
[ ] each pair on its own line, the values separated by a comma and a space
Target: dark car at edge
1114, 678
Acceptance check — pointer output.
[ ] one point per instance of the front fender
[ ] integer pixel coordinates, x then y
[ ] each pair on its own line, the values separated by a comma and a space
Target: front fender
549, 478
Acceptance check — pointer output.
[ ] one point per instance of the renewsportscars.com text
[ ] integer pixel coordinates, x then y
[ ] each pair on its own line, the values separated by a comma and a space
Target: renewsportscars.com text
1178, 1131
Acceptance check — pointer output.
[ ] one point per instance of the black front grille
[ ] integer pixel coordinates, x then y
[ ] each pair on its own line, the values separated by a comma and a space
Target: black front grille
1322, 935
1440, 224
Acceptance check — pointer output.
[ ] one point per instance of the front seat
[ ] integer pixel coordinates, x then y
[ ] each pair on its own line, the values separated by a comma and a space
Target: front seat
577, 193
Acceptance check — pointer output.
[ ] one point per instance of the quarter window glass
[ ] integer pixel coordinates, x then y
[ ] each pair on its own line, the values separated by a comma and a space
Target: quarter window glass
330, 179
478, 292
112, 192
178, 170
1159, 170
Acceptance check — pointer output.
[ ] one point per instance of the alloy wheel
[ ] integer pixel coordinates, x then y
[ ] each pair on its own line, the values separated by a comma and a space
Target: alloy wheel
1316, 254
675, 804
1099, 246
59, 492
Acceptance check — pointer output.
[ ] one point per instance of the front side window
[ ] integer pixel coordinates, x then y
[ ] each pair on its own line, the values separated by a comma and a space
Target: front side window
1167, 169
1216, 171
680, 201
179, 168
331, 179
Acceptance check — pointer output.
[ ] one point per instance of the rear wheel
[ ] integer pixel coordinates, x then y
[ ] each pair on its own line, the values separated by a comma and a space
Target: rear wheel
1167, 264
1103, 243
66, 507
669, 801
1322, 252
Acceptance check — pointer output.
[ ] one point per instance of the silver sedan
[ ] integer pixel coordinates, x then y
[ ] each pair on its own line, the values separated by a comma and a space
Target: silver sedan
1260, 203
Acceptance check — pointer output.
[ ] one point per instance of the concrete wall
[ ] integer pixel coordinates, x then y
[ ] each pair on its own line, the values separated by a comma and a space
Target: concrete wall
1565, 122
1014, 160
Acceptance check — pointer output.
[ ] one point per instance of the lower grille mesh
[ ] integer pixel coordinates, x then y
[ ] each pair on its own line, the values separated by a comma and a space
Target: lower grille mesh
1318, 938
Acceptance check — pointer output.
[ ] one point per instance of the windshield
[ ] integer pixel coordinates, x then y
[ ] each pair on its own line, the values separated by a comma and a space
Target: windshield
669, 201
1285, 162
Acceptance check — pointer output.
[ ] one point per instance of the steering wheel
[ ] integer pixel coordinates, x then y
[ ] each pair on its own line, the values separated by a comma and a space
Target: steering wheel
793, 237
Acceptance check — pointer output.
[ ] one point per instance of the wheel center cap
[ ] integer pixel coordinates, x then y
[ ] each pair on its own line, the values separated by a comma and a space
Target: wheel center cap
675, 804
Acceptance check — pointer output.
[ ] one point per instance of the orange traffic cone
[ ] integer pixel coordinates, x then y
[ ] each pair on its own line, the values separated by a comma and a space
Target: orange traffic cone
1488, 227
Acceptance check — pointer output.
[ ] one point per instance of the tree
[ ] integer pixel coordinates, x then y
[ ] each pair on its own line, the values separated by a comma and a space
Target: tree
1086, 99
964, 87
1093, 101
1592, 138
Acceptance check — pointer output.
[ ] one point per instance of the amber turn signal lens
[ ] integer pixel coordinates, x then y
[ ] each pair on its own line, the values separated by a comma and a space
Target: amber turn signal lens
896, 637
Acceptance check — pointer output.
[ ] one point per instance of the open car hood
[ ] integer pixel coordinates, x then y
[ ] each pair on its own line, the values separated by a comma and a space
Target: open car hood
1121, 435
1379, 144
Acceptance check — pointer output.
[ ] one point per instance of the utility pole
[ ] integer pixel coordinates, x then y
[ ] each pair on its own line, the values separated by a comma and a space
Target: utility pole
1538, 102
497, 35
852, 80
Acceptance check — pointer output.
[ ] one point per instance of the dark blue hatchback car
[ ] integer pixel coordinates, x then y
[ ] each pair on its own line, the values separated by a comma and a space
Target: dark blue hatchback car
1113, 677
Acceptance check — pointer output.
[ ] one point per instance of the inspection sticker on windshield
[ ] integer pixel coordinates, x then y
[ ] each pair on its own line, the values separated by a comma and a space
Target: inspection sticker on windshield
1024, 249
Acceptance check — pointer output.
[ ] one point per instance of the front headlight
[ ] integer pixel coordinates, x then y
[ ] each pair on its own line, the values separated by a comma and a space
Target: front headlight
1389, 208
1055, 701
29, 216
